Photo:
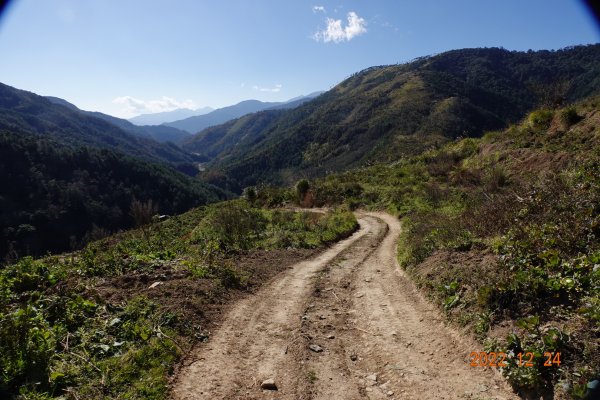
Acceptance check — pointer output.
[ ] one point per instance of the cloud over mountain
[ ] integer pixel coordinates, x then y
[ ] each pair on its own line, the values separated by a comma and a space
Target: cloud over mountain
133, 106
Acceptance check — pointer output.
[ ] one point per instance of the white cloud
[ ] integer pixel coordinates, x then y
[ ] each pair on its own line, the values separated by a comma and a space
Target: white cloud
317, 9
274, 89
337, 33
133, 106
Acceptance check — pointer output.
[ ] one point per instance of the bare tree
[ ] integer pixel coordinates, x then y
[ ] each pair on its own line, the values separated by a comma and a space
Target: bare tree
142, 213
551, 95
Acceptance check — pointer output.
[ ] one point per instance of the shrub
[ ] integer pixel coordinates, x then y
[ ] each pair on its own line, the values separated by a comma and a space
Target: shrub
569, 116
27, 345
230, 227
541, 119
250, 194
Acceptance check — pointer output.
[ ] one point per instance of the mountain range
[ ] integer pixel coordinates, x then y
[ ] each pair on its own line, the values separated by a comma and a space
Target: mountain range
70, 175
384, 113
160, 133
168, 116
221, 115
67, 174
490, 158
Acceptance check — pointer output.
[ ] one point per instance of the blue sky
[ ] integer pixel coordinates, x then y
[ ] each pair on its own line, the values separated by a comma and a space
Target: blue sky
123, 57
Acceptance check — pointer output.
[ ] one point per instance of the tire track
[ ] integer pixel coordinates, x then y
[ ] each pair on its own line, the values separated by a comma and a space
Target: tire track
256, 339
379, 339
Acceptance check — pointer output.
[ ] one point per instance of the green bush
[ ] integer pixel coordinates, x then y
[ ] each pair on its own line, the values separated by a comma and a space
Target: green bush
231, 227
540, 119
538, 341
27, 346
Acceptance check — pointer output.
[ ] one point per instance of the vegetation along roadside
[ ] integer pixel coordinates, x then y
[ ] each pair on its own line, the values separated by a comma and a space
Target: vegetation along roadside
502, 233
112, 320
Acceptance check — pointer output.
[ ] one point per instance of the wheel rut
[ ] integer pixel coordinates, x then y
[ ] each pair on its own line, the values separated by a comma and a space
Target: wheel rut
377, 337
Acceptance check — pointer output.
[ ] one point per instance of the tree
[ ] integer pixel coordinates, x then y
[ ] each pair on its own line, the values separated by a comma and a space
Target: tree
302, 187
305, 194
250, 194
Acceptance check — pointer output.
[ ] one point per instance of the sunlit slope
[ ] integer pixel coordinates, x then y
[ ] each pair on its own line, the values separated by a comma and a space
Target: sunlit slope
385, 113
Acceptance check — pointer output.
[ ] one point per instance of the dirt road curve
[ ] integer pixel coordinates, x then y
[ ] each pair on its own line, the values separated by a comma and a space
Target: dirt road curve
378, 338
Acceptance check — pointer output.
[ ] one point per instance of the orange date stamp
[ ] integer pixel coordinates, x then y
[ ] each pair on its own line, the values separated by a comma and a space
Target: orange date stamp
500, 359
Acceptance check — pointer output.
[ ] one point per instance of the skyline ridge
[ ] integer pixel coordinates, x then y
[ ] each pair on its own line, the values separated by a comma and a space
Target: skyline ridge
269, 51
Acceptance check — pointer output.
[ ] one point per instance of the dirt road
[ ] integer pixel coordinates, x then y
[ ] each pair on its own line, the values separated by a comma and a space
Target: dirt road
372, 335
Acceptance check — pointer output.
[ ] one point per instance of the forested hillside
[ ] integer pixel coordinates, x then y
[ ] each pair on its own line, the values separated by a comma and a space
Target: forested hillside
386, 113
30, 114
243, 131
55, 197
160, 133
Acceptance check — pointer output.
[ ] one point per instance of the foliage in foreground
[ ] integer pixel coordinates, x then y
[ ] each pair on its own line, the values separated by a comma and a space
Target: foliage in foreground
60, 338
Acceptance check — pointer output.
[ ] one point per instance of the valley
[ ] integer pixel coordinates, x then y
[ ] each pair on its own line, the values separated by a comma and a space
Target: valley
358, 243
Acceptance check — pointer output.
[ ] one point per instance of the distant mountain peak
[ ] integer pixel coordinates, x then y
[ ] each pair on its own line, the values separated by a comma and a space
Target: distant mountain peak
168, 116
219, 116
196, 123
